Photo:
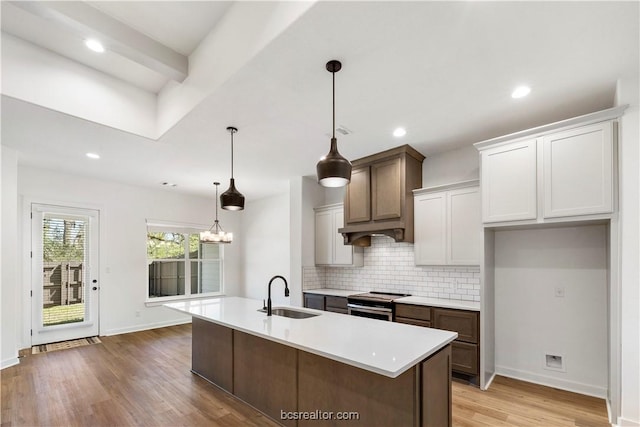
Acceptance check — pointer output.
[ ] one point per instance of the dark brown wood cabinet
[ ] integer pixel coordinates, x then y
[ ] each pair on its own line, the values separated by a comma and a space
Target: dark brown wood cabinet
413, 315
358, 197
314, 301
465, 323
465, 350
331, 303
335, 304
386, 189
379, 198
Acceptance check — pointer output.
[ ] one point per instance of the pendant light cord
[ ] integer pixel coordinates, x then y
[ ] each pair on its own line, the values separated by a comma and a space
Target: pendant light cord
232, 132
333, 74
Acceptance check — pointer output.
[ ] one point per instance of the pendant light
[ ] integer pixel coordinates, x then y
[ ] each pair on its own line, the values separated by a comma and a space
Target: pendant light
333, 169
232, 199
216, 234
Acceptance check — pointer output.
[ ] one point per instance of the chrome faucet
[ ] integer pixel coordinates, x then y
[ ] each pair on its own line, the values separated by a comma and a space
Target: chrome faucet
286, 292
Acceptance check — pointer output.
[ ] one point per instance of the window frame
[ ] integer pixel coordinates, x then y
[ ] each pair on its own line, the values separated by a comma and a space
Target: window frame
185, 231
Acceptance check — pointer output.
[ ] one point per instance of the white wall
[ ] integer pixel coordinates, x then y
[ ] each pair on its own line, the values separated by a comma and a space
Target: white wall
266, 248
9, 310
629, 154
123, 210
530, 321
452, 166
305, 194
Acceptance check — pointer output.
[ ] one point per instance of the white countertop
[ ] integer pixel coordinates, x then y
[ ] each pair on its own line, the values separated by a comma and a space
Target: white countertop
333, 292
438, 302
386, 348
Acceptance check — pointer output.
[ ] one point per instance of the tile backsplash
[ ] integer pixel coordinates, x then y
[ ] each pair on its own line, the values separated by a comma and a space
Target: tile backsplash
389, 266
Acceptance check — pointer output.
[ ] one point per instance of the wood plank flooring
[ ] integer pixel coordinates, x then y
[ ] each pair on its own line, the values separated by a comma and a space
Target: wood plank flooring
143, 379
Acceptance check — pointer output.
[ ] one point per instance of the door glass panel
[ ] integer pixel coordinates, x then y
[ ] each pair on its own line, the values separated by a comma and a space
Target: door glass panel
64, 262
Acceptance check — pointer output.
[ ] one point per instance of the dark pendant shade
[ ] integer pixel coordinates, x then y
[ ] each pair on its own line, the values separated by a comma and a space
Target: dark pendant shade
232, 199
333, 170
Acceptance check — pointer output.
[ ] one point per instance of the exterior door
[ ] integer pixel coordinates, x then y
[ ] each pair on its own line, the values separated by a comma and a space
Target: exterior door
64, 273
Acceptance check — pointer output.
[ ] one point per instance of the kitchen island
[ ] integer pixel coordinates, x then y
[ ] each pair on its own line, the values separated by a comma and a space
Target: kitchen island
315, 370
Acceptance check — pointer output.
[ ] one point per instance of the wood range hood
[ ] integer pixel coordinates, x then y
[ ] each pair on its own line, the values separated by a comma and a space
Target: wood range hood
379, 198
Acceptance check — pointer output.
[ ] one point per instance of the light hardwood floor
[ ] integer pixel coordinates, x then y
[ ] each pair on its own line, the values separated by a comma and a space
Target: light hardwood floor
143, 379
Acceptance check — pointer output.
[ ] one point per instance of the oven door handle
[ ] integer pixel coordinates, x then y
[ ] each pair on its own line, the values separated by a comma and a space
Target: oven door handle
366, 309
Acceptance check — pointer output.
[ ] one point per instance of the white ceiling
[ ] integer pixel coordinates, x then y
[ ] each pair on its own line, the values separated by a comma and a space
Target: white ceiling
443, 70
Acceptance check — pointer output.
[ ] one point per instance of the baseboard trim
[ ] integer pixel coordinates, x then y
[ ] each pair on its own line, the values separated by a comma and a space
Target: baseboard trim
12, 361
145, 327
623, 422
486, 386
576, 387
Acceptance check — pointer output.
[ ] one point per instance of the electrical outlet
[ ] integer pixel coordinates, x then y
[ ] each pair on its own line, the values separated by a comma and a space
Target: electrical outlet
559, 292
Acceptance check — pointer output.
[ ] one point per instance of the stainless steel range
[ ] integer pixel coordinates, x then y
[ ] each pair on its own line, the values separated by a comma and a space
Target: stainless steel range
375, 305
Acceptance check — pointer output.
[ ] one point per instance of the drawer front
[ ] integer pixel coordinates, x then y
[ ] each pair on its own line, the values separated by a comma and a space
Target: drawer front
464, 358
339, 303
418, 312
465, 323
314, 301
409, 321
337, 310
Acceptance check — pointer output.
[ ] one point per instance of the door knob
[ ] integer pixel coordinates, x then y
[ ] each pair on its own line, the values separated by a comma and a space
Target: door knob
94, 281
95, 288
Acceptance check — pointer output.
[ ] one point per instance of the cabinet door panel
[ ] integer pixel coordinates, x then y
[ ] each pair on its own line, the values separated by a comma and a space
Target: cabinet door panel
343, 254
323, 244
464, 357
314, 301
386, 188
465, 323
509, 182
415, 322
430, 229
464, 226
578, 171
419, 312
358, 198
336, 304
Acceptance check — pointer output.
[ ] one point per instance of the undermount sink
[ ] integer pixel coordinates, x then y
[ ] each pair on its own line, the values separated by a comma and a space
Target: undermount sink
289, 312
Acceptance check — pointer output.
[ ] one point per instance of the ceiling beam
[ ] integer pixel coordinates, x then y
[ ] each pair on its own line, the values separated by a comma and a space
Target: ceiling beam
88, 22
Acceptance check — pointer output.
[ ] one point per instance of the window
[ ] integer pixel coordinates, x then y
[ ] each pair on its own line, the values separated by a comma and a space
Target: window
180, 266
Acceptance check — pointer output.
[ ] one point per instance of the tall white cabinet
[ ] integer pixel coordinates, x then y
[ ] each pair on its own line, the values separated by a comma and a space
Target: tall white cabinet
447, 225
329, 244
560, 174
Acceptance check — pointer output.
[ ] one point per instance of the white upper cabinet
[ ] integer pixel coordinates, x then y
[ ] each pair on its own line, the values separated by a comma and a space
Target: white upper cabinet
464, 227
578, 171
329, 244
564, 171
447, 225
430, 229
509, 182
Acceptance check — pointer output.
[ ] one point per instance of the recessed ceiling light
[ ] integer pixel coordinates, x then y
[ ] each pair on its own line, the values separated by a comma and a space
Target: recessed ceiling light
93, 155
399, 132
169, 184
520, 92
94, 45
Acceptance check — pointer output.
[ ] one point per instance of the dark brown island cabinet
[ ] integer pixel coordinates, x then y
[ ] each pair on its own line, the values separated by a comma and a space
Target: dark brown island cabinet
465, 350
298, 388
